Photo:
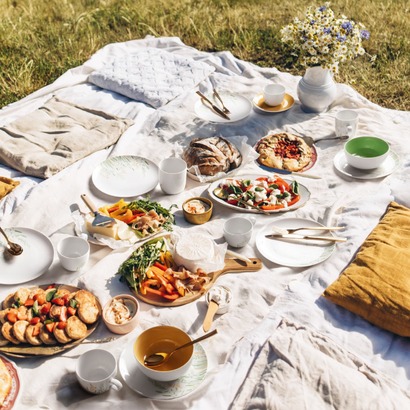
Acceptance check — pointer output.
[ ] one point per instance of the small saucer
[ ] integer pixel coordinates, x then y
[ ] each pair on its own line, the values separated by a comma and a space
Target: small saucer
389, 165
287, 103
137, 381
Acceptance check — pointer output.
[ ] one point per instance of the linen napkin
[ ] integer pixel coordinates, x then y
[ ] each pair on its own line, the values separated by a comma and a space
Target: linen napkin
55, 136
376, 284
6, 186
152, 76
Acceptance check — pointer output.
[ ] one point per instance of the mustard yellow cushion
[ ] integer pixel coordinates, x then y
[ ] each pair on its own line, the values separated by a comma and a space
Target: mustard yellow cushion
7, 185
376, 284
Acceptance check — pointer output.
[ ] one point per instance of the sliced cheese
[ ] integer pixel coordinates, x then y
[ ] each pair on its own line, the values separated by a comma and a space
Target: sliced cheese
192, 251
110, 231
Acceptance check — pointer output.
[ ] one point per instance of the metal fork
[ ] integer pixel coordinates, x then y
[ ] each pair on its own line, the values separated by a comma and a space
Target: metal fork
284, 231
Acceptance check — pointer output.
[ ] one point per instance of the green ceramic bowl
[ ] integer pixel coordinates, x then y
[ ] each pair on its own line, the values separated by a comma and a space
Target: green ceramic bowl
366, 152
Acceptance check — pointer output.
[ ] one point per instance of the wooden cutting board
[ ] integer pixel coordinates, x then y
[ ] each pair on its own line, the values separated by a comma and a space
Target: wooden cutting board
231, 266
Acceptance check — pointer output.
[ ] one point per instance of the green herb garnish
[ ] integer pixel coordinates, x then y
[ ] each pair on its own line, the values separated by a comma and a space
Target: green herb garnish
147, 205
133, 270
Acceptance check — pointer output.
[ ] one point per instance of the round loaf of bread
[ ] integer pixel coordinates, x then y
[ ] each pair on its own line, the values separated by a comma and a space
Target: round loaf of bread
212, 155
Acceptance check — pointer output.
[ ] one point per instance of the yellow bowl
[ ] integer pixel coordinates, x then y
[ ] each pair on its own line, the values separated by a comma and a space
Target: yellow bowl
164, 339
192, 213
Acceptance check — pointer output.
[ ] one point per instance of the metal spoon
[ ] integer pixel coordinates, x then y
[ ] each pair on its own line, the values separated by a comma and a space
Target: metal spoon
310, 141
12, 247
156, 359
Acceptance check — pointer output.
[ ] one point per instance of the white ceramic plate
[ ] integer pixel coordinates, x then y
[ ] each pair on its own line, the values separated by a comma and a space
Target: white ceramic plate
137, 381
239, 106
125, 176
389, 165
12, 397
37, 256
291, 252
260, 105
303, 192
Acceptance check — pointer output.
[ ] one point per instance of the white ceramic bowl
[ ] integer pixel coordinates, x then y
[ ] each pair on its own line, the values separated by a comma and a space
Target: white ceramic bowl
366, 152
113, 312
164, 339
73, 252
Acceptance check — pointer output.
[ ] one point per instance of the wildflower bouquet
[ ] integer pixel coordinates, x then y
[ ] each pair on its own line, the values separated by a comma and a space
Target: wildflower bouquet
321, 39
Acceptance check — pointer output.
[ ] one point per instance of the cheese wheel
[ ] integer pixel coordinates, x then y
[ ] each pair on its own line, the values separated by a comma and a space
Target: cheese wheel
192, 251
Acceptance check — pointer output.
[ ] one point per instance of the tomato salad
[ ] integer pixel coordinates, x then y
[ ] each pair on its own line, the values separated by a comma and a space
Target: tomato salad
266, 193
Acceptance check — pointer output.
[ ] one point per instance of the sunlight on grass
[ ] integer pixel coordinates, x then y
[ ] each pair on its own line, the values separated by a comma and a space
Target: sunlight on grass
42, 40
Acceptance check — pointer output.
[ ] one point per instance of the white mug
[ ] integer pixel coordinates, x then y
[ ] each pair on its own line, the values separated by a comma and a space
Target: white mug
273, 94
346, 123
238, 230
172, 175
96, 370
73, 252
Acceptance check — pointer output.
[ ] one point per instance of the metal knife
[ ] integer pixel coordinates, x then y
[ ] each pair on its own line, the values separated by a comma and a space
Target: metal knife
214, 108
299, 174
314, 237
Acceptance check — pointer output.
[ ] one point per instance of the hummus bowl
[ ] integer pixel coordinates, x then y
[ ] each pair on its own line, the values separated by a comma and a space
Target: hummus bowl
120, 314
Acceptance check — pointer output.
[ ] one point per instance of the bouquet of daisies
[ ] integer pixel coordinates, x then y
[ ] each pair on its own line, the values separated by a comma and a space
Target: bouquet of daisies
321, 39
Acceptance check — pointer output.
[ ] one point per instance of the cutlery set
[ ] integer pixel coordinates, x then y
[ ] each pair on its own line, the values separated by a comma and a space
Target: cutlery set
223, 111
281, 233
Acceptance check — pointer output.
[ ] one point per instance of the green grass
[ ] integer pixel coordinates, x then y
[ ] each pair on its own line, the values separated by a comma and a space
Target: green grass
40, 40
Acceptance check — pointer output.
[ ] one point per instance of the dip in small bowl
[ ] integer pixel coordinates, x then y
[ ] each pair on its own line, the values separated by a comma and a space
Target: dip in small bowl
120, 314
197, 210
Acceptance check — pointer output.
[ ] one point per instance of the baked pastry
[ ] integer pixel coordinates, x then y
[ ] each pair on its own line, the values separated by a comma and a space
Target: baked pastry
212, 155
19, 330
6, 383
284, 151
76, 329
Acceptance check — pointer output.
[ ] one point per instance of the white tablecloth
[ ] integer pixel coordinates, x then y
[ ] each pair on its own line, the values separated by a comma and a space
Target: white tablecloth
260, 299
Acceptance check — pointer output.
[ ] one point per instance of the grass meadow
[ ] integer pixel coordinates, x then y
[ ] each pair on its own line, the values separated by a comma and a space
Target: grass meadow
40, 40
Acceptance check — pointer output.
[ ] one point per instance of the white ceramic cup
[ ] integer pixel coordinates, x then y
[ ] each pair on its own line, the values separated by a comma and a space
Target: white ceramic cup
346, 123
273, 94
238, 230
95, 371
172, 175
73, 252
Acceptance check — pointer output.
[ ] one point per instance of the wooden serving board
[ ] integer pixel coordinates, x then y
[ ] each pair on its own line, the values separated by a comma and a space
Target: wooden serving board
231, 266
25, 350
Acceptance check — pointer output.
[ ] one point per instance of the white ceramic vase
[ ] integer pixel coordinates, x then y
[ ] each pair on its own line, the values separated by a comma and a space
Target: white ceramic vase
316, 90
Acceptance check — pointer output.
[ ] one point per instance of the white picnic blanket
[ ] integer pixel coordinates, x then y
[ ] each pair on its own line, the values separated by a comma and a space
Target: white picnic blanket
299, 368
260, 299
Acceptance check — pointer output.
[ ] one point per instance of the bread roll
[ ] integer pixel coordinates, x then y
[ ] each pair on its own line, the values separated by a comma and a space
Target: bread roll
212, 155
